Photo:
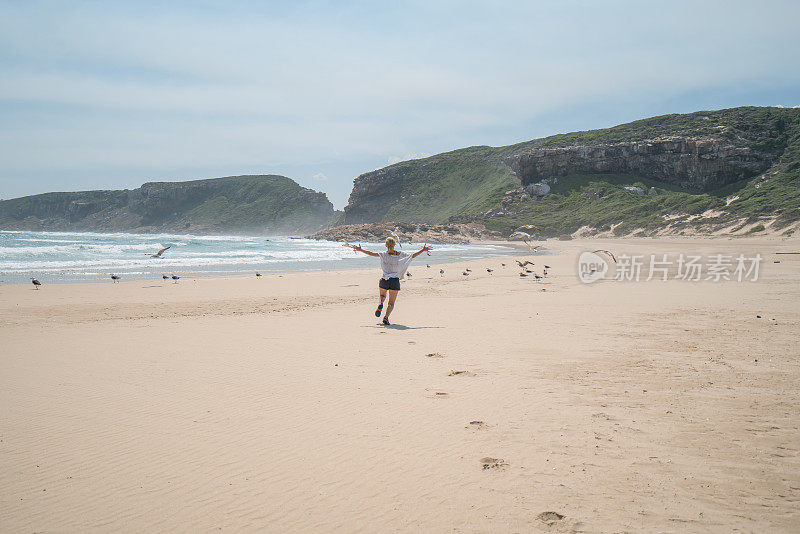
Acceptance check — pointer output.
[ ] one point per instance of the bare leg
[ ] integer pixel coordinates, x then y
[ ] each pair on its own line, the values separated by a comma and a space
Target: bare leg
390, 305
382, 296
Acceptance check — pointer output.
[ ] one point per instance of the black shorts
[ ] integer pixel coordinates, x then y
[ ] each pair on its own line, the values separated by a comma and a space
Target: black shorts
389, 283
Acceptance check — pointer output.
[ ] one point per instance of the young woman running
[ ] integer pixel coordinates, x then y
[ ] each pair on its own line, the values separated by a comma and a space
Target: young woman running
394, 265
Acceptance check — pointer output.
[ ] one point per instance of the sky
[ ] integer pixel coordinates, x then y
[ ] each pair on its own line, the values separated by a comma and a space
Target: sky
111, 94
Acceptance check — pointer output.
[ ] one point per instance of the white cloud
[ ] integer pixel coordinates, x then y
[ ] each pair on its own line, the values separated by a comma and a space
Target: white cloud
107, 86
320, 177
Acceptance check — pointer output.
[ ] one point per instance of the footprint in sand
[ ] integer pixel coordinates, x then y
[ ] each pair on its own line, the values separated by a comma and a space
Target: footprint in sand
460, 373
437, 394
434, 355
493, 463
555, 522
478, 425
550, 517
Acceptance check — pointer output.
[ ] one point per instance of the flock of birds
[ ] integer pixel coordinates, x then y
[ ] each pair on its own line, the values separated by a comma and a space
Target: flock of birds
115, 278
523, 265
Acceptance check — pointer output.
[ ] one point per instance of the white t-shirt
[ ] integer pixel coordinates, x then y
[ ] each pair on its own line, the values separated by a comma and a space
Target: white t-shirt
395, 265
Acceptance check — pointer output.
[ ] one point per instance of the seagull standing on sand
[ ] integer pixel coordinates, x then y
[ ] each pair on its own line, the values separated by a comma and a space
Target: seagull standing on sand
176, 278
35, 283
165, 277
159, 253
489, 271
114, 278
441, 272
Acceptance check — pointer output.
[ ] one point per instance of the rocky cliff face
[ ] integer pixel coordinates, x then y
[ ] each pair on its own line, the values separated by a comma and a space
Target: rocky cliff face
263, 204
699, 164
374, 193
694, 153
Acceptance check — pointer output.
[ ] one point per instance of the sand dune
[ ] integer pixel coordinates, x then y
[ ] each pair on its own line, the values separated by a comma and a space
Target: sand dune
495, 404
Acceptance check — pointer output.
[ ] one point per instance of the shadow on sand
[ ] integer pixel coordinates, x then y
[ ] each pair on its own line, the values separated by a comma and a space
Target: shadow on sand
399, 327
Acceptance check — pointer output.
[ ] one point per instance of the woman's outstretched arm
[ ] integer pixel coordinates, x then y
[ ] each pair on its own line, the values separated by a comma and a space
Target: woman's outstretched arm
426, 248
367, 252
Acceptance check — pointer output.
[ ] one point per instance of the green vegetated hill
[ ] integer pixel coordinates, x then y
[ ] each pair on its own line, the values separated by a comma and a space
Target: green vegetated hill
431, 190
262, 204
702, 171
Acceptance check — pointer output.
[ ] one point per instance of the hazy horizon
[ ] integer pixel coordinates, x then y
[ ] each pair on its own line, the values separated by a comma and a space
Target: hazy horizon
97, 96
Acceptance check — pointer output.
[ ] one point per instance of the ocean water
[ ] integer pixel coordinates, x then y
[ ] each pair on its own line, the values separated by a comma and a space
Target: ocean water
54, 257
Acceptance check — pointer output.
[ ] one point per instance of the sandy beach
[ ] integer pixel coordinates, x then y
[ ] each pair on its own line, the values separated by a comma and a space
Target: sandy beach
495, 403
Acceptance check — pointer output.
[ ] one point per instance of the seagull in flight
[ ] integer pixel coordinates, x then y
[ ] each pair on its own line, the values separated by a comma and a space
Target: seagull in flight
606, 252
525, 237
520, 235
397, 239
159, 253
